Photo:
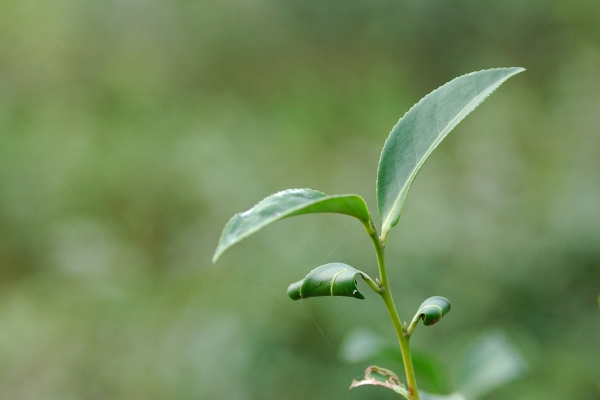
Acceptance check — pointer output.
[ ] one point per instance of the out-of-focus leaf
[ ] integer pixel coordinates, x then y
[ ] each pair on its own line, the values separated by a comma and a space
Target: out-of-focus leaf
490, 363
334, 279
431, 372
376, 376
285, 204
432, 310
421, 130
364, 345
361, 344
429, 396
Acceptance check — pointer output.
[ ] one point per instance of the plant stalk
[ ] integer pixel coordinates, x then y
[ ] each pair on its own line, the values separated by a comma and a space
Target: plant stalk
386, 294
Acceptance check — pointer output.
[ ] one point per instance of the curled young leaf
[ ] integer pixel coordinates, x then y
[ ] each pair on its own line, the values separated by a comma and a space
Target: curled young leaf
285, 204
335, 279
432, 310
376, 376
421, 130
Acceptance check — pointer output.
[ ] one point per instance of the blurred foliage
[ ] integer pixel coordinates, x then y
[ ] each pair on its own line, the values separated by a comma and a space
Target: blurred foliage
489, 363
131, 131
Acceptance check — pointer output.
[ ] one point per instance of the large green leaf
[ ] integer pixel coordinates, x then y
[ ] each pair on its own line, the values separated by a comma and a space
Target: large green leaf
284, 204
421, 130
335, 279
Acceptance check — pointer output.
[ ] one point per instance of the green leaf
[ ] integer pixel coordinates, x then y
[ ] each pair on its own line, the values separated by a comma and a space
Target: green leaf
490, 362
432, 310
362, 345
285, 204
430, 370
421, 130
376, 376
335, 279
429, 396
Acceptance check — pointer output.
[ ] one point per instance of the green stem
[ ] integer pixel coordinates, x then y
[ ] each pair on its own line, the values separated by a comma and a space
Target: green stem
408, 367
372, 284
413, 325
386, 294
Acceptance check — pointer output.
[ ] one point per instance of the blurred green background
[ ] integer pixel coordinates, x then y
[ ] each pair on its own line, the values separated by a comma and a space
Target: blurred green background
130, 131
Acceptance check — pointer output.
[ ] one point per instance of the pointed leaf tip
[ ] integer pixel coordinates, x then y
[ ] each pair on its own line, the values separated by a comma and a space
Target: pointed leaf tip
334, 279
421, 130
285, 204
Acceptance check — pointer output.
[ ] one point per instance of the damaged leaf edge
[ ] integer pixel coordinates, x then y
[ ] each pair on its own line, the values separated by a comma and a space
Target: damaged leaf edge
391, 382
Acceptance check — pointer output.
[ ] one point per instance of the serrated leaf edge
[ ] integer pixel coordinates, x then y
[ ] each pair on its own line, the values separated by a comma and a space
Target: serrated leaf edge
385, 221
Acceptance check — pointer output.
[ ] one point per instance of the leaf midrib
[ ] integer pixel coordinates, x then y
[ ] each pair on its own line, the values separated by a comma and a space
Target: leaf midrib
334, 278
425, 156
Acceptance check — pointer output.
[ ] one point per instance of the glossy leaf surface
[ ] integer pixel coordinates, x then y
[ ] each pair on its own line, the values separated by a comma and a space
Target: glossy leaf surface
433, 309
335, 279
376, 376
285, 204
421, 130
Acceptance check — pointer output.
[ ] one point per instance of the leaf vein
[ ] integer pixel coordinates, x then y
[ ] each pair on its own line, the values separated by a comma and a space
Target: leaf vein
425, 156
334, 278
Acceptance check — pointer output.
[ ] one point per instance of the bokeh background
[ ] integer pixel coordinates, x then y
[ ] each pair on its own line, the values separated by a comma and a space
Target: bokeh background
130, 131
